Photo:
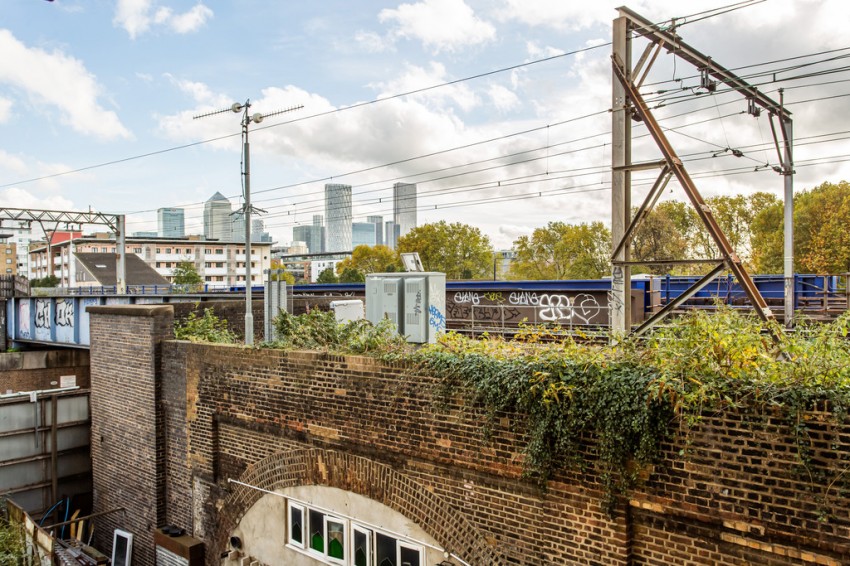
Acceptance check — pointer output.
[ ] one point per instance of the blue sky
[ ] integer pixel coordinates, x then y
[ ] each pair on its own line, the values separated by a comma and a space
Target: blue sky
89, 87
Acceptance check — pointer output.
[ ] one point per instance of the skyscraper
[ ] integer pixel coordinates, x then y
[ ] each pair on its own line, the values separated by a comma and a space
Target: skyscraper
170, 223
378, 221
362, 234
404, 208
338, 215
217, 220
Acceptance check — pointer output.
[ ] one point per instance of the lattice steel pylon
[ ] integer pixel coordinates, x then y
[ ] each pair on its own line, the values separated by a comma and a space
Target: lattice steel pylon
627, 103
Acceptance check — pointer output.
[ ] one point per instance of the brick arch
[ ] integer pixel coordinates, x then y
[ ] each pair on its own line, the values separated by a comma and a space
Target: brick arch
362, 476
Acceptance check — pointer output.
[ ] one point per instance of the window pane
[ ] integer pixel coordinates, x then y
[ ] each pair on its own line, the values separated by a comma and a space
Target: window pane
361, 548
410, 556
317, 531
296, 525
385, 550
336, 540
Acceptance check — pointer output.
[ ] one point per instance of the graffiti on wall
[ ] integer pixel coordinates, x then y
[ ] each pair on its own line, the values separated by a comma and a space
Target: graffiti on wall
530, 306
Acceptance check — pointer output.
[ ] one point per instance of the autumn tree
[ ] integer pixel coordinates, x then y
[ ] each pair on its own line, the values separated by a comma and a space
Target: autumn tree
563, 251
821, 238
661, 236
458, 250
365, 260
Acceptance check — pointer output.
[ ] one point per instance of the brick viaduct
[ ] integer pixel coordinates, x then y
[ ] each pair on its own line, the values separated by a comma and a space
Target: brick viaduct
174, 421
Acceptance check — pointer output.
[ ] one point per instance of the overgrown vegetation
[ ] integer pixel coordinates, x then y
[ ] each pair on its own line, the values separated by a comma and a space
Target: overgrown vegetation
11, 540
580, 403
206, 328
319, 329
626, 398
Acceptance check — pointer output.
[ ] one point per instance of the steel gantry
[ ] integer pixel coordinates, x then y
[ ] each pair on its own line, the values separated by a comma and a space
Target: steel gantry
58, 217
628, 104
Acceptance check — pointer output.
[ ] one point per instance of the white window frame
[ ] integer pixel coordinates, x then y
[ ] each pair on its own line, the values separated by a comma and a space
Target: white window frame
409, 546
345, 552
369, 539
289, 540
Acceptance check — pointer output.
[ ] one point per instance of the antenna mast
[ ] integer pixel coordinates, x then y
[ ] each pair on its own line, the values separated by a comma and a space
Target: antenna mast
247, 208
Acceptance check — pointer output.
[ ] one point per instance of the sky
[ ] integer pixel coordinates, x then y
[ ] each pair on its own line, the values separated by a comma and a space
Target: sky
497, 109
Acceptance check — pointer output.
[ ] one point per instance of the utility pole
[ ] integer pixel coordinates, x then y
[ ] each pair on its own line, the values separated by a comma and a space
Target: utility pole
247, 208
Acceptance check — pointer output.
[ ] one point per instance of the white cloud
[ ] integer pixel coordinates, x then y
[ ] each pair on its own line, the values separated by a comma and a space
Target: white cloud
138, 16
199, 92
415, 78
15, 197
60, 81
442, 25
5, 109
191, 21
372, 42
12, 163
503, 98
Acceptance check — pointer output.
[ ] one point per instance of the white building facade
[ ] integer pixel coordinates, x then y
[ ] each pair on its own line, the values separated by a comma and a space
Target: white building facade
220, 264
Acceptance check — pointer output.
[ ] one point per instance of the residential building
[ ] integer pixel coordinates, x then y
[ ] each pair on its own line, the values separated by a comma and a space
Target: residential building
21, 235
338, 216
404, 207
99, 269
8, 255
170, 223
217, 218
219, 263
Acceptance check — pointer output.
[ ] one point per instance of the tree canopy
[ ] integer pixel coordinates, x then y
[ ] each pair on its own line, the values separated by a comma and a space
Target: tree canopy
563, 251
327, 276
365, 260
186, 274
821, 237
458, 250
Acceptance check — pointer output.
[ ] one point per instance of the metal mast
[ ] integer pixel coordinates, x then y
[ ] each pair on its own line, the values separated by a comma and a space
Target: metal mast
627, 103
247, 208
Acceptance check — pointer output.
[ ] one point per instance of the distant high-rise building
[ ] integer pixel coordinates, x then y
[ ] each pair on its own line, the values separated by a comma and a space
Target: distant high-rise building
362, 234
378, 221
390, 234
217, 220
313, 235
404, 207
170, 222
338, 217
258, 231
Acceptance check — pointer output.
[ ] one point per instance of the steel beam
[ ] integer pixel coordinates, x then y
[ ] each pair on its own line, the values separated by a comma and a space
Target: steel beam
729, 255
687, 294
621, 161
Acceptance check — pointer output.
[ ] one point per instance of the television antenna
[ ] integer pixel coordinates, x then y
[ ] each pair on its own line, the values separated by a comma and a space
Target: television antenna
247, 208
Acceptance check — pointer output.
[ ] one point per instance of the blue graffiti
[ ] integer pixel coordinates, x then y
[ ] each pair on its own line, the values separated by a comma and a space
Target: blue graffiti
437, 319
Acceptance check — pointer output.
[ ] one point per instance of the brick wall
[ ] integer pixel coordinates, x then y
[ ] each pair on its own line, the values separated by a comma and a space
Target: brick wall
172, 432
35, 370
231, 311
128, 448
735, 498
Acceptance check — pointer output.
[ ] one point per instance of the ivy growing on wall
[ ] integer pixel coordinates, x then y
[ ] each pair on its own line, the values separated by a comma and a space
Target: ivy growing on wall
580, 403
628, 399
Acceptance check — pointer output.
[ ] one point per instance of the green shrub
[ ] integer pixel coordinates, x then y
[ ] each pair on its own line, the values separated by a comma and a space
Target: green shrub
206, 328
319, 329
